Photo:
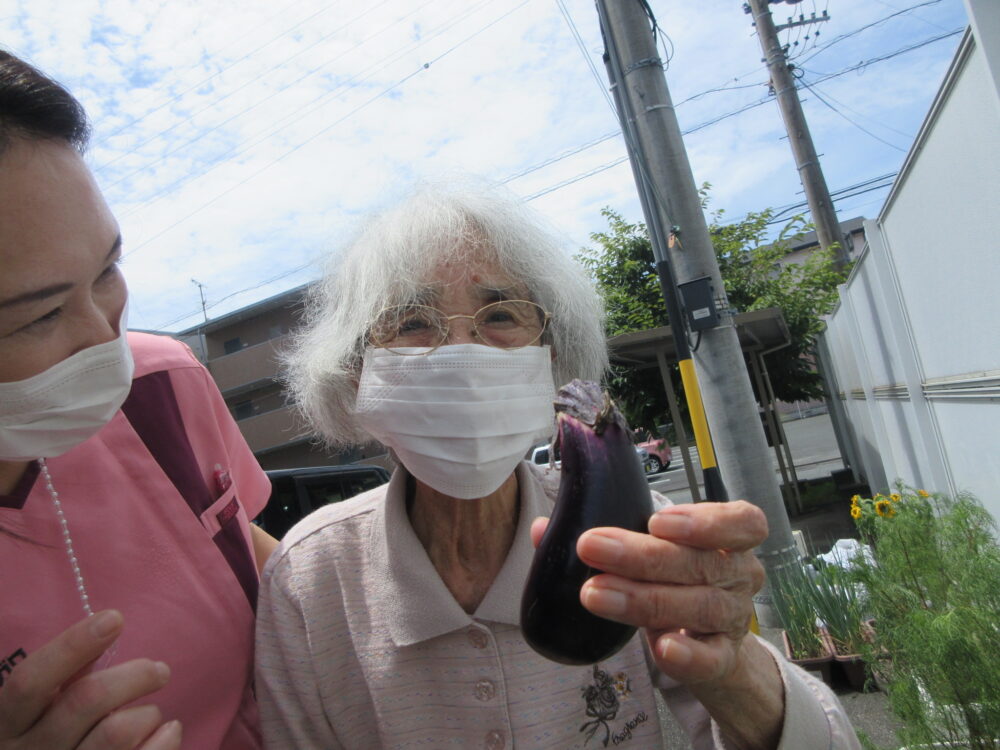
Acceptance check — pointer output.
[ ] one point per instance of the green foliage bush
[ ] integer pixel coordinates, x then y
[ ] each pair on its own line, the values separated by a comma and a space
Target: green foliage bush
933, 587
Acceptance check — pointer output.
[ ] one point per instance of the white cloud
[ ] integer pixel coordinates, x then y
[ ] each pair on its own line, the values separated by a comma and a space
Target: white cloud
236, 141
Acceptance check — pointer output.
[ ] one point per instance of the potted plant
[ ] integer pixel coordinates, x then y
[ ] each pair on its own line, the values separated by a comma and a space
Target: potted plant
933, 586
803, 637
838, 600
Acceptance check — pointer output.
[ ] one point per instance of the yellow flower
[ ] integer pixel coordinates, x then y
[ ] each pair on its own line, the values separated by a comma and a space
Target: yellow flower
884, 508
855, 512
895, 497
855, 500
923, 493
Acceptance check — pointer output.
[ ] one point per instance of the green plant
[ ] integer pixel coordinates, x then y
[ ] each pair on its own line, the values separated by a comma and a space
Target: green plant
838, 603
933, 587
791, 594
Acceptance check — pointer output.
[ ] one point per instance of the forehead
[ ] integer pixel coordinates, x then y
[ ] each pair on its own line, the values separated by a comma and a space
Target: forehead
471, 278
54, 223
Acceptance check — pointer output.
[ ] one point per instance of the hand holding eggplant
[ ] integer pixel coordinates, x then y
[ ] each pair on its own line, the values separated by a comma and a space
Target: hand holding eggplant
689, 583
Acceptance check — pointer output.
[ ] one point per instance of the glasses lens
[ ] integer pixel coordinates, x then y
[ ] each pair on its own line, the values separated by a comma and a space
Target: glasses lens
407, 326
510, 324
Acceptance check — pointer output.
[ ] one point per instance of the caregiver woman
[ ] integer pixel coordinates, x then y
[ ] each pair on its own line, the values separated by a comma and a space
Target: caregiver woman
127, 565
391, 620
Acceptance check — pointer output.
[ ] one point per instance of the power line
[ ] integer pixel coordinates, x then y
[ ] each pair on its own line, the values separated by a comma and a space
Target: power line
855, 124
849, 108
201, 83
293, 115
231, 92
298, 114
586, 55
849, 34
278, 277
326, 128
865, 63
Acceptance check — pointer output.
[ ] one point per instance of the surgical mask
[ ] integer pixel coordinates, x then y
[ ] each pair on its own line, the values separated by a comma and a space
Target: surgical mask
461, 417
50, 413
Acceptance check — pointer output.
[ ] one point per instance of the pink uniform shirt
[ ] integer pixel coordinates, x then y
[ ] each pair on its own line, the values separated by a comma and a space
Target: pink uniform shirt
158, 505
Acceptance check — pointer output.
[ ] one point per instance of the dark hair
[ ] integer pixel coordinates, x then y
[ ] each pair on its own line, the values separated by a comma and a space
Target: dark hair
32, 105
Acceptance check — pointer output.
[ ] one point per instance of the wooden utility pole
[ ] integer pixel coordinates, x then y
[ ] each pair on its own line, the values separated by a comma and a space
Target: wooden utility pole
683, 251
806, 161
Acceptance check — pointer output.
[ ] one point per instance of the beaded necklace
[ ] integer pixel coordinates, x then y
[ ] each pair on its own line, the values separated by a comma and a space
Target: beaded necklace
81, 586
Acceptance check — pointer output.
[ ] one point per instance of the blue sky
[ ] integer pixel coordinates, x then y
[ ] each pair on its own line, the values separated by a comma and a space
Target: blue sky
240, 142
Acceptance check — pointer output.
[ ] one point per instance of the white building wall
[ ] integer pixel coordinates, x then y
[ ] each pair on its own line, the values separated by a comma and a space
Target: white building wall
914, 346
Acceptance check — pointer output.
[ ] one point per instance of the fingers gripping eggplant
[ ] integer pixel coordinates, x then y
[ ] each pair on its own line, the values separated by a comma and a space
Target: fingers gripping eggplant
602, 484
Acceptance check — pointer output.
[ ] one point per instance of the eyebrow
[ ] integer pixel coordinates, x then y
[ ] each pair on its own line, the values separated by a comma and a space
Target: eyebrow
48, 291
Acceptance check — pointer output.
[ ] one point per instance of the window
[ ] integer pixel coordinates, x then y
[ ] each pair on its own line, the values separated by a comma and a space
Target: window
283, 509
232, 345
243, 410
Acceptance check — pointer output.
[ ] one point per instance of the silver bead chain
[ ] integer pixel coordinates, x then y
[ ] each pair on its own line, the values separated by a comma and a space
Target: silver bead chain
81, 587
105, 660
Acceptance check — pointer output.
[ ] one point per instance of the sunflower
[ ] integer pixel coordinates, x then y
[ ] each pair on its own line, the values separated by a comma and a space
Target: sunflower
855, 512
884, 508
923, 493
855, 500
895, 497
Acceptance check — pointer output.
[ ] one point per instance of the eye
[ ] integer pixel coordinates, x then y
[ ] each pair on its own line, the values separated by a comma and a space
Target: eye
49, 317
415, 323
498, 316
111, 271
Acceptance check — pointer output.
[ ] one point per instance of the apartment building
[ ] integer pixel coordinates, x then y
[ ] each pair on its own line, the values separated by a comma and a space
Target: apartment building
242, 352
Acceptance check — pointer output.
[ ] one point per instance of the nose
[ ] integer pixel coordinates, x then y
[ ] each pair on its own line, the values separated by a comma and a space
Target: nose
461, 330
99, 324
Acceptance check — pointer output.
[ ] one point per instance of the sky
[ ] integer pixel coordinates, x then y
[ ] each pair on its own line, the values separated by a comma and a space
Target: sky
240, 142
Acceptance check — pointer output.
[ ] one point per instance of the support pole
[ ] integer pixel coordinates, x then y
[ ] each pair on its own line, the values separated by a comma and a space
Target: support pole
664, 179
675, 414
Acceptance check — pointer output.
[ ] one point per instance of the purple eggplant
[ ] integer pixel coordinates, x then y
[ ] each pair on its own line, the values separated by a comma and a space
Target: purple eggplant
602, 484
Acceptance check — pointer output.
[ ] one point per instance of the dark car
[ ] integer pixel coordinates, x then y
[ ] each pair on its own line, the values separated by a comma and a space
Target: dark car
295, 493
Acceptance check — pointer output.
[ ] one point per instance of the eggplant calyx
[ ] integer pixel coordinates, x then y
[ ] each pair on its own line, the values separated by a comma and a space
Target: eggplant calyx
585, 401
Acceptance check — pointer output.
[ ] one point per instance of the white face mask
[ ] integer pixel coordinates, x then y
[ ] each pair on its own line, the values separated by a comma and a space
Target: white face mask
461, 417
48, 414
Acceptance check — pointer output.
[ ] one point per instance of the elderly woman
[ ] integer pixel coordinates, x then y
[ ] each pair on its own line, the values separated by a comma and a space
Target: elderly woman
391, 620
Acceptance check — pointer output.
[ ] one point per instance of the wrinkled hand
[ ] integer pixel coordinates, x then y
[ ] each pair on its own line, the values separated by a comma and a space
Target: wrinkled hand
688, 583
48, 702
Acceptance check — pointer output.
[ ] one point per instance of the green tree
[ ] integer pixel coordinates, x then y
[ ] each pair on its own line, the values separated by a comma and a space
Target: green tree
621, 263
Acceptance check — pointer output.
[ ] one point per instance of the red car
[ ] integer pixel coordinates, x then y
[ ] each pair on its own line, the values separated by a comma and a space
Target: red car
659, 453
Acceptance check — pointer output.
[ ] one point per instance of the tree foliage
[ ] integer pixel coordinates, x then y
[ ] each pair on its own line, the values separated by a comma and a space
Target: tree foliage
756, 276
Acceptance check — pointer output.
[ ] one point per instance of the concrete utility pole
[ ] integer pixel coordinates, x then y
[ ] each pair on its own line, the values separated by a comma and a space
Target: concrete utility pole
806, 161
661, 167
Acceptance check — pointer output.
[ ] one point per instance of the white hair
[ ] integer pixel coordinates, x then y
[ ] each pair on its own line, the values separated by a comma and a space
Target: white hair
393, 261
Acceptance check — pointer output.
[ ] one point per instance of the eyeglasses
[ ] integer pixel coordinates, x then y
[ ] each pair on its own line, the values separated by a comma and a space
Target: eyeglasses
510, 324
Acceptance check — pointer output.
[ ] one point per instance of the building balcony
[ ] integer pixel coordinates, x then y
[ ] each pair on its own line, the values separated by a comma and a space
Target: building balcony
273, 429
247, 369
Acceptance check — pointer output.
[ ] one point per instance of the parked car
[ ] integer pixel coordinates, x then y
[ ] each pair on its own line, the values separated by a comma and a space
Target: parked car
295, 493
659, 454
542, 454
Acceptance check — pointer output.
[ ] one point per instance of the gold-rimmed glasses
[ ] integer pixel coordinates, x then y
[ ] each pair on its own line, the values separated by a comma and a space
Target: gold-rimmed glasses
508, 324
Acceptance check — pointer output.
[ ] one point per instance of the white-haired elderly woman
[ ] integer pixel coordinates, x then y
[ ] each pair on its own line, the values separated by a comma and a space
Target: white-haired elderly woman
391, 620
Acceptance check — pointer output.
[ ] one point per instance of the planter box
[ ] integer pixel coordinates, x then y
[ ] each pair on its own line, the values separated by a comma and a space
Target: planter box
822, 664
850, 669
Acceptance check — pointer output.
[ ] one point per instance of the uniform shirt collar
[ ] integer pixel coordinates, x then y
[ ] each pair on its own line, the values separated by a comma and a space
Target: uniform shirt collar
417, 603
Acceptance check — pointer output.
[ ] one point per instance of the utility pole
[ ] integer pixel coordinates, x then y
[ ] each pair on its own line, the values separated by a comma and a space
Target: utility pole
824, 215
201, 292
673, 211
